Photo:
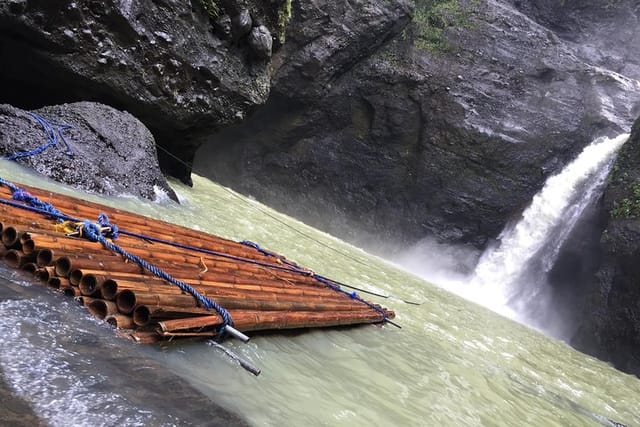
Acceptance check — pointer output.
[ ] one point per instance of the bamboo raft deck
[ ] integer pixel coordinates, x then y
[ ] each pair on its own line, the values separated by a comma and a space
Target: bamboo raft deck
260, 290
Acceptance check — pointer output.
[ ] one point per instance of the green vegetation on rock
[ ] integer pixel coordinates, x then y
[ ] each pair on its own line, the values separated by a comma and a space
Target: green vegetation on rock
628, 207
432, 18
284, 16
211, 7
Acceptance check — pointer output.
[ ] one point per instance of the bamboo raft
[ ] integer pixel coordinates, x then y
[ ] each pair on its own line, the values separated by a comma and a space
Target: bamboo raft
260, 290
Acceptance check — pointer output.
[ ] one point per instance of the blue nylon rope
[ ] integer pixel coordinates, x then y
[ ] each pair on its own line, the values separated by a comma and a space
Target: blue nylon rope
94, 233
51, 133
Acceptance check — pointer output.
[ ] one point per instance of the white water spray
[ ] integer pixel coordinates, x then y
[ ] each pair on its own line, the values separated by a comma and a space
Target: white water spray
500, 274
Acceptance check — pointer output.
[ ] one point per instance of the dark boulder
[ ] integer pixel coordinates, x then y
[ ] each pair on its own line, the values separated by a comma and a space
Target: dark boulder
104, 150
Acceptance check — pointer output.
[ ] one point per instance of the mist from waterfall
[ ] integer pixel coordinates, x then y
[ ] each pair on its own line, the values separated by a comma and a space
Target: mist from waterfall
510, 277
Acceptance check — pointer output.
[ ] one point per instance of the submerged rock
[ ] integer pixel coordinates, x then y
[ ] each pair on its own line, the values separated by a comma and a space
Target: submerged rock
104, 150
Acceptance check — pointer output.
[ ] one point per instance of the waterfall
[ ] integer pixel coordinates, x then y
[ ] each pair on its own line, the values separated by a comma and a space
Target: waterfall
503, 277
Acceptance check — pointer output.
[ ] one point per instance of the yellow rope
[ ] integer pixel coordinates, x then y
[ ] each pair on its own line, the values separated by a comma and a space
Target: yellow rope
68, 227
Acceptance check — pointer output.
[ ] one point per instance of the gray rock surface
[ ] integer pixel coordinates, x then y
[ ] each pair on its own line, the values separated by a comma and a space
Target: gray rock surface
160, 60
112, 151
611, 315
374, 133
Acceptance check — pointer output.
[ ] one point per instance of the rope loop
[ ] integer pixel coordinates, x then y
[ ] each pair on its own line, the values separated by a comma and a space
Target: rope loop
112, 229
52, 131
90, 230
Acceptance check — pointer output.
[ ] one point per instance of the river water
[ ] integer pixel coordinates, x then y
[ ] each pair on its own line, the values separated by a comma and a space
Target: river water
452, 363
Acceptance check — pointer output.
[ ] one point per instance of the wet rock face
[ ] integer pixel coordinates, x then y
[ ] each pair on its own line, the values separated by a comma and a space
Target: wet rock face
373, 136
104, 150
611, 326
163, 61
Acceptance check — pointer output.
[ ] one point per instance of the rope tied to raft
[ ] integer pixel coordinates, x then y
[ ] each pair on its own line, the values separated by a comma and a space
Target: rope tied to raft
21, 195
111, 229
93, 232
328, 282
53, 132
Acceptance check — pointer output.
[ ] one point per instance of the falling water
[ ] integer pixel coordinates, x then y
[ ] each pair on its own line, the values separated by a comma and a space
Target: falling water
503, 270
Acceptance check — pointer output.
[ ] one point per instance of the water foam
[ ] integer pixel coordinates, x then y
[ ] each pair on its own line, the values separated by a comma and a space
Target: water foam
61, 385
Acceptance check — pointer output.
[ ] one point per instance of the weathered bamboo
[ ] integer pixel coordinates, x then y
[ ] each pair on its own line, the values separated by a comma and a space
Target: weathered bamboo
120, 321
83, 300
16, 258
157, 228
44, 257
256, 290
64, 265
127, 300
101, 308
262, 320
186, 323
69, 290
179, 259
174, 233
255, 321
11, 238
145, 314
44, 274
88, 287
121, 270
59, 282
29, 267
153, 284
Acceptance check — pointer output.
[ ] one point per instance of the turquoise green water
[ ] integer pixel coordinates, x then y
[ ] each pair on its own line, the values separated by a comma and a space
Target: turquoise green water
452, 363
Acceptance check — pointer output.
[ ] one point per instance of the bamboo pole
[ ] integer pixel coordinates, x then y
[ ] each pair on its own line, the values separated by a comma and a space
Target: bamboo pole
263, 320
101, 308
69, 290
29, 267
179, 258
59, 282
44, 274
127, 300
16, 258
153, 284
120, 321
145, 314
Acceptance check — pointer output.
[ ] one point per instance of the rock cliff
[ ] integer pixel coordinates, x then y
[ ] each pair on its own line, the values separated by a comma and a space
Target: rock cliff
442, 120
611, 317
382, 121
184, 68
